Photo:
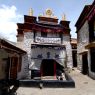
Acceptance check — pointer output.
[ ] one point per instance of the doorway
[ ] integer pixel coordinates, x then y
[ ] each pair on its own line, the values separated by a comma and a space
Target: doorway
74, 58
13, 67
48, 67
84, 64
92, 54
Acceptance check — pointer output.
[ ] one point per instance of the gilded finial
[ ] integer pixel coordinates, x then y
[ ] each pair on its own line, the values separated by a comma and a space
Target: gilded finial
63, 17
30, 12
48, 12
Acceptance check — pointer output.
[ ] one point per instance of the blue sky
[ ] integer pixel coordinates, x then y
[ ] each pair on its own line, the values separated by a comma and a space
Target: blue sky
12, 11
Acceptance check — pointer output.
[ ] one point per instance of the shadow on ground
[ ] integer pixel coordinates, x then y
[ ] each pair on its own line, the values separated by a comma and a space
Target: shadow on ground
8, 87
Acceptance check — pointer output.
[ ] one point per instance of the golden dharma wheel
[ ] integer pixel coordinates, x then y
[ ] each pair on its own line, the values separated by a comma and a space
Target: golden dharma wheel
48, 12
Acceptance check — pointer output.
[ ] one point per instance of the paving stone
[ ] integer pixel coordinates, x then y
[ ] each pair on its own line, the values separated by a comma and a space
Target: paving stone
84, 86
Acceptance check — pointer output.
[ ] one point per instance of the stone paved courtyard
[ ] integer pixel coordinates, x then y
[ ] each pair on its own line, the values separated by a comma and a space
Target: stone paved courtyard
84, 86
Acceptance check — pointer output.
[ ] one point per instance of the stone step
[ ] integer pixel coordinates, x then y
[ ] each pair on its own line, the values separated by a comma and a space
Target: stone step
46, 83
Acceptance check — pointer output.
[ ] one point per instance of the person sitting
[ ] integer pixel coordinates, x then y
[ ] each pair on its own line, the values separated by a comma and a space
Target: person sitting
58, 74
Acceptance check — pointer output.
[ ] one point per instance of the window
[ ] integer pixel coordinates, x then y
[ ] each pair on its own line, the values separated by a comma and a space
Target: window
92, 30
43, 34
61, 36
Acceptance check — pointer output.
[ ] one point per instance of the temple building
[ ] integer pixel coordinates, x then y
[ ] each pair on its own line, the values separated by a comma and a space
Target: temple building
47, 43
86, 40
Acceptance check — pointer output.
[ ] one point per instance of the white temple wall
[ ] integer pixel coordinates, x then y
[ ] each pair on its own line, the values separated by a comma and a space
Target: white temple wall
32, 54
83, 40
66, 42
36, 53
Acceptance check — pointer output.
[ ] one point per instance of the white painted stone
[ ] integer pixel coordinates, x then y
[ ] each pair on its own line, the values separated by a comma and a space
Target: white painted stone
43, 51
66, 42
32, 60
83, 40
24, 73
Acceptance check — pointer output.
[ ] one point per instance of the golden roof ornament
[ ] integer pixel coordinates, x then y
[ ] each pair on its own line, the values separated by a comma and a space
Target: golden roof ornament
63, 17
30, 12
48, 12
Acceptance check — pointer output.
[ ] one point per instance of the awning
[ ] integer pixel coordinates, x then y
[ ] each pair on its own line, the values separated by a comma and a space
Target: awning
47, 45
90, 45
83, 52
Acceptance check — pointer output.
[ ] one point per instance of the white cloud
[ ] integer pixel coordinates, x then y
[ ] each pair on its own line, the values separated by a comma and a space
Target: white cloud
8, 19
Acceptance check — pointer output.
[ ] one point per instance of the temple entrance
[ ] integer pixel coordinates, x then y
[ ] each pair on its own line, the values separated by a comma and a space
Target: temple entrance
49, 67
84, 64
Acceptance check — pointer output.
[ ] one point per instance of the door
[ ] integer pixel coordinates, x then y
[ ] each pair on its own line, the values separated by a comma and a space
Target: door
13, 68
92, 54
47, 67
74, 58
84, 64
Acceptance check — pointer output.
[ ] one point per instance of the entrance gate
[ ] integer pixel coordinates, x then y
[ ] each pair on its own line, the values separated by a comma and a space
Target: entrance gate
49, 67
